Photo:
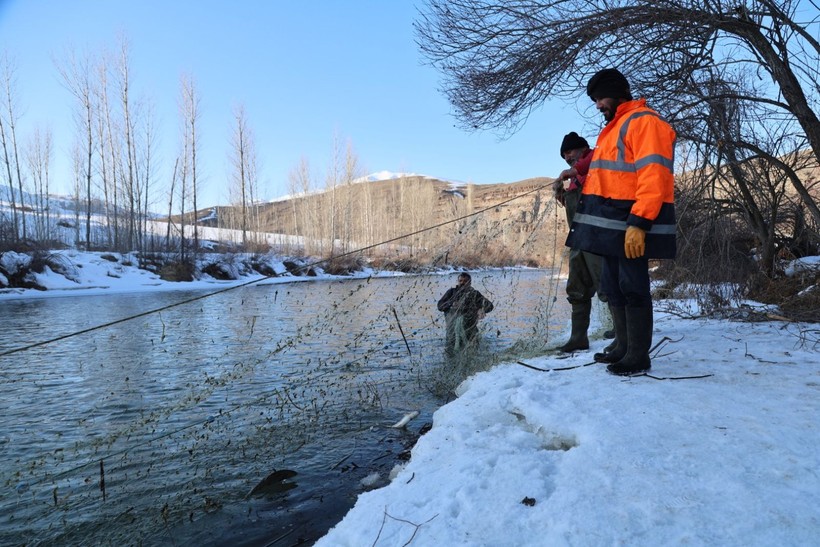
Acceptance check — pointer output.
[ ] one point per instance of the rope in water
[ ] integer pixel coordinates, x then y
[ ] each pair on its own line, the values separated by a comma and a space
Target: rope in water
266, 277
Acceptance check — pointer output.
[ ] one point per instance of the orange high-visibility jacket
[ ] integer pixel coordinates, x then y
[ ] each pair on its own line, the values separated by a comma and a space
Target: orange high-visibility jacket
630, 183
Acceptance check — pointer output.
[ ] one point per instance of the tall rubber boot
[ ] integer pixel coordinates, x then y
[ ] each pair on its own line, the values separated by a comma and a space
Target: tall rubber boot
580, 324
615, 351
606, 323
610, 332
639, 340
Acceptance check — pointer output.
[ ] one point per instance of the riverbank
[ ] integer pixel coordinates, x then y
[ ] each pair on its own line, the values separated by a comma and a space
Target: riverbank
719, 446
74, 273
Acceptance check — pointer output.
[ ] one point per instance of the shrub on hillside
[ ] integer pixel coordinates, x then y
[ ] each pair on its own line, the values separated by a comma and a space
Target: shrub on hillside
344, 265
177, 271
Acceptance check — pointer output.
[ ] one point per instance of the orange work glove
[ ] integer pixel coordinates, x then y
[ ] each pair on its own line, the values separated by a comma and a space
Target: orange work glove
634, 242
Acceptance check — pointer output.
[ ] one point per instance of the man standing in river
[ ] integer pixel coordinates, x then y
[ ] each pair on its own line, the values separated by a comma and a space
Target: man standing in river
463, 306
626, 213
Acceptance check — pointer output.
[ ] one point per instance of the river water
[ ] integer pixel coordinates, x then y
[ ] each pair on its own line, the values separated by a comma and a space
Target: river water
161, 430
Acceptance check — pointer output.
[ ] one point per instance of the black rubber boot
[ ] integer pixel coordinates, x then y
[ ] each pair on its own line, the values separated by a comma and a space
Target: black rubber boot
639, 340
617, 349
580, 324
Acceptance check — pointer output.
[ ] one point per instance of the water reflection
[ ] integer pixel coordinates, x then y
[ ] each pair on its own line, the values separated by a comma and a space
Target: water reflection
142, 431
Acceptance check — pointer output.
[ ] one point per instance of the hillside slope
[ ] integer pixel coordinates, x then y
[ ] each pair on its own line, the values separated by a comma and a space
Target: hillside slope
494, 224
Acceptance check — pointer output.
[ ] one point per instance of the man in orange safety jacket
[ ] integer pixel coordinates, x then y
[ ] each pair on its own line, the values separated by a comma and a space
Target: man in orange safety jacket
626, 213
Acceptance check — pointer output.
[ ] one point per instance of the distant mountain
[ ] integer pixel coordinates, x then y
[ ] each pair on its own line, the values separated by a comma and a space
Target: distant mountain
423, 218
493, 223
386, 175
59, 205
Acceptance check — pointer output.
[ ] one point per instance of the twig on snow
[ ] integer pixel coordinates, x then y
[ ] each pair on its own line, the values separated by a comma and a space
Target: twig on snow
672, 377
417, 526
523, 364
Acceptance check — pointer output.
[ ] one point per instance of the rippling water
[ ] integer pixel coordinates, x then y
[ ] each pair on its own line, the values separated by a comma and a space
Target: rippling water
154, 431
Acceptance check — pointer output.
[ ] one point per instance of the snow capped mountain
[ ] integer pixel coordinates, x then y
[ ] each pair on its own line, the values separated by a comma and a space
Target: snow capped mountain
456, 187
386, 175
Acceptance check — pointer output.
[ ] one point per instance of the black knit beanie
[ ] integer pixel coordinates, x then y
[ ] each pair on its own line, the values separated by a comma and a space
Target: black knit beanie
572, 141
608, 83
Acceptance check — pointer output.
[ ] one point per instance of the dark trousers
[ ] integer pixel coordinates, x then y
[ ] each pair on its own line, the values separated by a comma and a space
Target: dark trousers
584, 275
625, 281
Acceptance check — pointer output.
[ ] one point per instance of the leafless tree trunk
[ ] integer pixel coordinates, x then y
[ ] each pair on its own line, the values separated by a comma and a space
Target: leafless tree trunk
183, 190
108, 151
8, 134
146, 174
131, 180
352, 222
189, 112
78, 174
190, 116
738, 177
244, 162
331, 186
171, 205
38, 156
299, 187
368, 239
7, 162
76, 76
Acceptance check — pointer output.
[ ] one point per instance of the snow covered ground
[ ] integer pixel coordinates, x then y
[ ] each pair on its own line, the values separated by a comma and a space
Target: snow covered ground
582, 457
719, 445
726, 454
92, 274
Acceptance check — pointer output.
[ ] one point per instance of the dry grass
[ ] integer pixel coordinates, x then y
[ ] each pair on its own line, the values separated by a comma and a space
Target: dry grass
177, 271
798, 297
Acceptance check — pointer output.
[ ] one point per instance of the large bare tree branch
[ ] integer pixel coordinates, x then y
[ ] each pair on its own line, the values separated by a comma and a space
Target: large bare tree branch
502, 59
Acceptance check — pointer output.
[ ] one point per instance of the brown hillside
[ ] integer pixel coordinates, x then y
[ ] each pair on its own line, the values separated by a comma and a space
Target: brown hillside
444, 223
507, 223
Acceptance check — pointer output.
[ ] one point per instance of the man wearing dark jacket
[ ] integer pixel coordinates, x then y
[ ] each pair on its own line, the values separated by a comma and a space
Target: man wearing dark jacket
584, 274
463, 306
626, 213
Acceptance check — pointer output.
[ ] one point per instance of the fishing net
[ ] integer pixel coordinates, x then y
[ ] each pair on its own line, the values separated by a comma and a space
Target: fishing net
160, 430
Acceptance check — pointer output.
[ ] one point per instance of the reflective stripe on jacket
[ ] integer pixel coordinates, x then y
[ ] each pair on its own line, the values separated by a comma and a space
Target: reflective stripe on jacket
630, 183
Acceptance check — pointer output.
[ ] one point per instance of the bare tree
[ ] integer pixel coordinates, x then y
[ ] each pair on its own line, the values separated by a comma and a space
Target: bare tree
77, 176
171, 205
368, 217
131, 183
76, 76
742, 164
351, 217
501, 59
737, 81
300, 185
144, 150
244, 161
108, 144
189, 107
332, 182
8, 139
8, 163
184, 162
38, 158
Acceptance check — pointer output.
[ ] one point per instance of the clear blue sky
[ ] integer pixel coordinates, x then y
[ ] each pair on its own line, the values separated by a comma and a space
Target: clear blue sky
305, 70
